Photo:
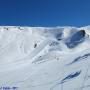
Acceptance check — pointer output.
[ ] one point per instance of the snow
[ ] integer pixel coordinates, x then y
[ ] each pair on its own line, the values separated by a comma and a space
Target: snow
44, 58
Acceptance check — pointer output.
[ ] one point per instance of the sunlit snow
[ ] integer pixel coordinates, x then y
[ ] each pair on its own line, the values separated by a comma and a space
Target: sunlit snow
44, 58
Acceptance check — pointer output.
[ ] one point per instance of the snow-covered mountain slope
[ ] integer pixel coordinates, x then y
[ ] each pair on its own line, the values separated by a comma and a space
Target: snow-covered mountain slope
44, 58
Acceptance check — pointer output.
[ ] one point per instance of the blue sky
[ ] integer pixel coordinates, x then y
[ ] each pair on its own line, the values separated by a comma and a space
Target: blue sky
45, 12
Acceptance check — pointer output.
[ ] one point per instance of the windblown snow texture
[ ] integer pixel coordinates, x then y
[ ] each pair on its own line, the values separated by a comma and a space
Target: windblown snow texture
44, 58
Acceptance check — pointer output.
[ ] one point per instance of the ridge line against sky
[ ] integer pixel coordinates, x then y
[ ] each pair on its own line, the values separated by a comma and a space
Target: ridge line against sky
45, 13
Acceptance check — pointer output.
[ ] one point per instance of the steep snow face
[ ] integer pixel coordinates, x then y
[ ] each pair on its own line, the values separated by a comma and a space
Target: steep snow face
76, 39
44, 58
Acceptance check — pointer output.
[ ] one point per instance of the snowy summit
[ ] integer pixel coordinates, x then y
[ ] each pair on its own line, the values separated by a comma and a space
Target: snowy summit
44, 58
